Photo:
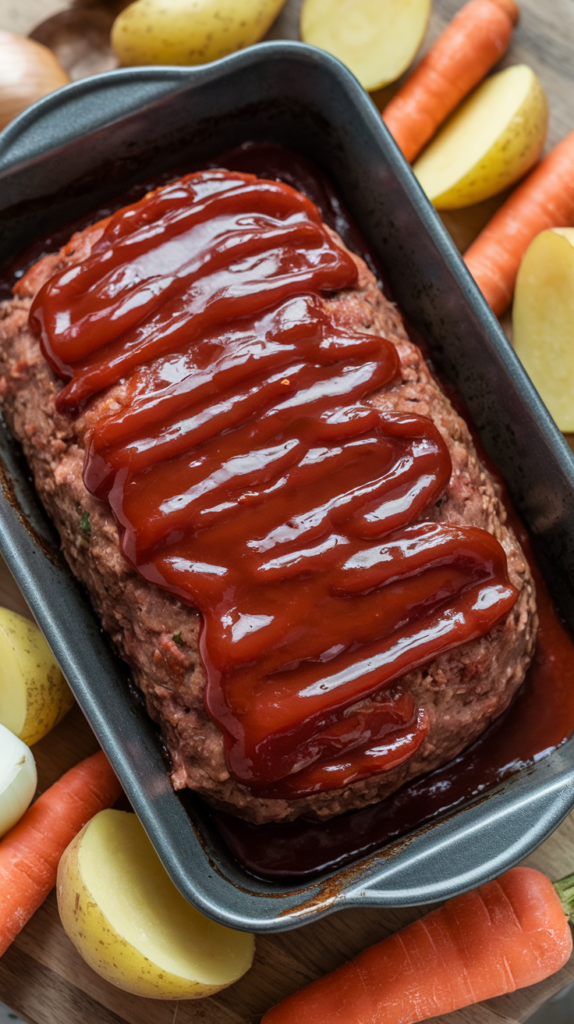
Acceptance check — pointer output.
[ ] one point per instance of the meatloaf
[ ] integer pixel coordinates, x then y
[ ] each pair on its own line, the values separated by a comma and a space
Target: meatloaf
462, 691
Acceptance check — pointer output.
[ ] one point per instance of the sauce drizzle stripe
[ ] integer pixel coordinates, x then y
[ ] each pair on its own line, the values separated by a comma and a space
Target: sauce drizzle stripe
251, 478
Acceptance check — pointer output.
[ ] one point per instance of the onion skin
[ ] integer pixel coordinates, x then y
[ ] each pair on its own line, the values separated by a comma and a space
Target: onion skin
17, 779
28, 71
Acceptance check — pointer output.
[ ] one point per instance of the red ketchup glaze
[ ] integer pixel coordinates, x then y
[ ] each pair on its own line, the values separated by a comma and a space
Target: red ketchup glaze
251, 478
540, 719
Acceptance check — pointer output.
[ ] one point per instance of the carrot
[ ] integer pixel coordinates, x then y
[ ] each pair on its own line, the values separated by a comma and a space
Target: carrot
30, 852
511, 9
503, 936
475, 40
545, 199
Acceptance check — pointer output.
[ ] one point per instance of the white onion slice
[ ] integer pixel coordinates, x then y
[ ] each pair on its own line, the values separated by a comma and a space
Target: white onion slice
17, 779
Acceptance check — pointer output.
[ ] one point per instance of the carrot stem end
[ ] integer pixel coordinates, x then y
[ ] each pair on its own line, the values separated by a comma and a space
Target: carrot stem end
565, 889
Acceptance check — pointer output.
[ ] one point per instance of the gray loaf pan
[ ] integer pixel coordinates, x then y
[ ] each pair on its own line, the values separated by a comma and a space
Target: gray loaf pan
77, 149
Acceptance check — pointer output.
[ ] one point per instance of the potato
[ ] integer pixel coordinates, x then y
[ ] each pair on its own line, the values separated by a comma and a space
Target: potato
189, 31
34, 696
28, 71
490, 141
130, 923
543, 320
376, 39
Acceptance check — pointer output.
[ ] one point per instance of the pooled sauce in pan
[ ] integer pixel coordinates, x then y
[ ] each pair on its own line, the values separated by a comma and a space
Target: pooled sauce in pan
251, 478
540, 718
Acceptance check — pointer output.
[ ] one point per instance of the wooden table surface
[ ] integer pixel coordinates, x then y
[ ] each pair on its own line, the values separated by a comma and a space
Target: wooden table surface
42, 977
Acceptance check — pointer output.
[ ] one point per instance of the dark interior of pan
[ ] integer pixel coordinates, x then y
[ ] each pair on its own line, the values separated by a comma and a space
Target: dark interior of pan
76, 150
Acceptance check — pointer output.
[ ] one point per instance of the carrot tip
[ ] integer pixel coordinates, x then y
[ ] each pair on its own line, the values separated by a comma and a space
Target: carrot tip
511, 8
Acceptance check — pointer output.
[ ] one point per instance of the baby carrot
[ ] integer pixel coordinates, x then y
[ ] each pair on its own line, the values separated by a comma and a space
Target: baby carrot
30, 852
545, 199
505, 935
475, 40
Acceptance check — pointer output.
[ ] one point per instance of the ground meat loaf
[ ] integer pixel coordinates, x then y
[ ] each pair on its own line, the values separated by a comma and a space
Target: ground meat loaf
462, 691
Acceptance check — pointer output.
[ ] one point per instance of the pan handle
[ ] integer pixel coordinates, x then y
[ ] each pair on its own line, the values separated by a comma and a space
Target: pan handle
83, 107
474, 845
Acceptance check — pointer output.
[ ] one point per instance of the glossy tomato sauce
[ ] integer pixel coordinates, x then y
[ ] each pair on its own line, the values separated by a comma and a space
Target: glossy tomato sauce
250, 477
539, 720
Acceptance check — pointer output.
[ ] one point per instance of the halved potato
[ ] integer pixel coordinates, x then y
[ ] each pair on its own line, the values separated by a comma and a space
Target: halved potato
490, 141
129, 922
376, 39
543, 320
189, 31
34, 696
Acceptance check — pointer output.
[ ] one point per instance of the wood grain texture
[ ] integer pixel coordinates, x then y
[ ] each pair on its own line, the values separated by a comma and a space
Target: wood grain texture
42, 976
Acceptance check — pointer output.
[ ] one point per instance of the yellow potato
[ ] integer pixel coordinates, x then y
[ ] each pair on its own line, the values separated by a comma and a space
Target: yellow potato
189, 31
34, 696
543, 320
489, 142
130, 923
376, 39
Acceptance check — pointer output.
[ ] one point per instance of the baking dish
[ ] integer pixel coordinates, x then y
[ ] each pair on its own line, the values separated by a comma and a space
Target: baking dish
76, 150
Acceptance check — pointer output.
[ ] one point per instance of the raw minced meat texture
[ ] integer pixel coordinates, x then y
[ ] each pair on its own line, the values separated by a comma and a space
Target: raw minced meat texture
463, 691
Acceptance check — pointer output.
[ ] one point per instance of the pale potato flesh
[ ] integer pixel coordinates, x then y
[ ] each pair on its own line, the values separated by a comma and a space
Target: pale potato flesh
129, 922
189, 31
376, 39
492, 139
34, 696
543, 321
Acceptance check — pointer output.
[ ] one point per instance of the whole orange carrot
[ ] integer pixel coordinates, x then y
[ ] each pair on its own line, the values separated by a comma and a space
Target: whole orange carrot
30, 853
475, 40
545, 199
503, 936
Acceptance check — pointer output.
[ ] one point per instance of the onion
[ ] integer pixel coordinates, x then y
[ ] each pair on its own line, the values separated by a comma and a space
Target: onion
28, 71
17, 779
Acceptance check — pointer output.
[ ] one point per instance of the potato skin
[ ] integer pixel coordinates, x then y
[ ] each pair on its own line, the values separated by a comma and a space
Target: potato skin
32, 682
126, 918
103, 949
189, 31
